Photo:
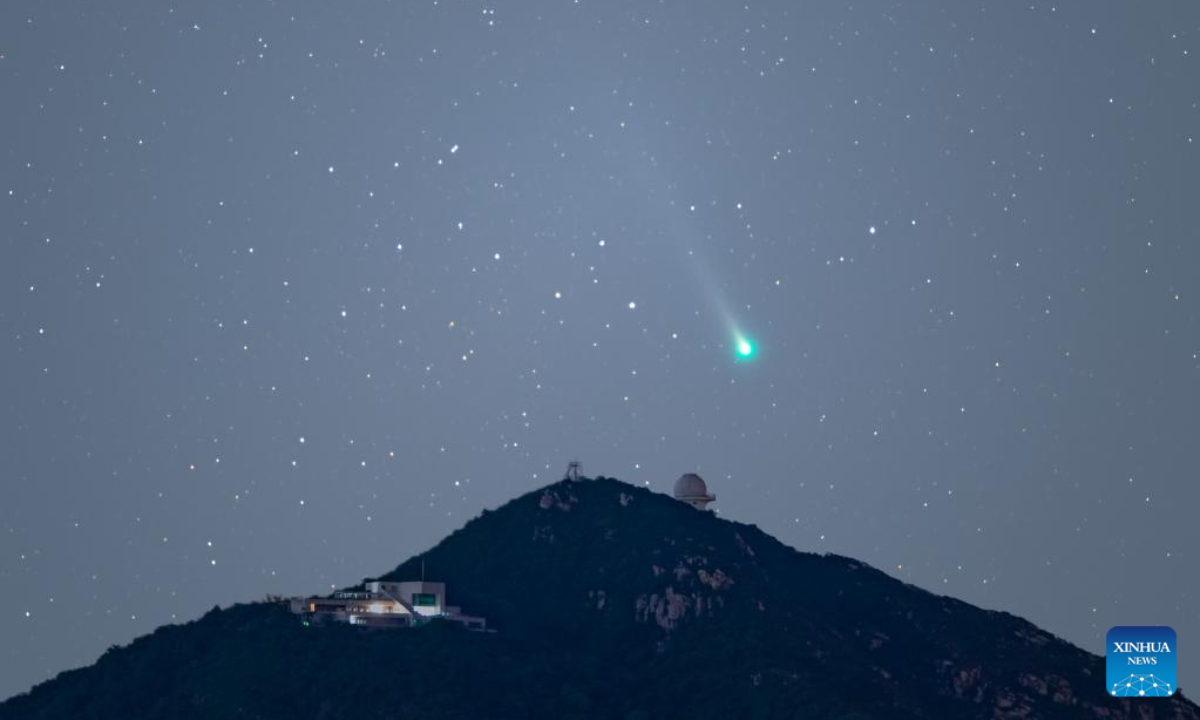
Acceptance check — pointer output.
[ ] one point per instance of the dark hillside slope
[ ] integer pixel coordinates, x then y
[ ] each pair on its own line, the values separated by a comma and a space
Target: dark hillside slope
615, 602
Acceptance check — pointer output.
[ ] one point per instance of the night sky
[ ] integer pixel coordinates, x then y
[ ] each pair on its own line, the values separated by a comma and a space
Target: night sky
291, 290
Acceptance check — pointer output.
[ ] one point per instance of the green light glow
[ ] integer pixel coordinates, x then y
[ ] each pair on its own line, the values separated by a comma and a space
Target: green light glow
745, 348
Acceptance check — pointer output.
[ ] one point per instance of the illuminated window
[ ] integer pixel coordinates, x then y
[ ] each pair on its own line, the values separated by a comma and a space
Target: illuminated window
424, 600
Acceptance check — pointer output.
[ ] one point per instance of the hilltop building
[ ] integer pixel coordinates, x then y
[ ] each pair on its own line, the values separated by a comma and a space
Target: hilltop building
386, 604
691, 489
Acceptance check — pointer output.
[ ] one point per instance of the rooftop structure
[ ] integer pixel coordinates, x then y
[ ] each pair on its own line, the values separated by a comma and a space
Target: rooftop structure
691, 489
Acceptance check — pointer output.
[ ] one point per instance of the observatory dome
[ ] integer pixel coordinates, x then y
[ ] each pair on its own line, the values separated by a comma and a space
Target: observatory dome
691, 489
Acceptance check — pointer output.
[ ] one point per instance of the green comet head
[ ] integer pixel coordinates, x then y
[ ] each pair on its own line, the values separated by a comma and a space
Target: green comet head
745, 349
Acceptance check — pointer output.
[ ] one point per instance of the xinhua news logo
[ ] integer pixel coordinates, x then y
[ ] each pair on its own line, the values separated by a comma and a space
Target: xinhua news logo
1141, 661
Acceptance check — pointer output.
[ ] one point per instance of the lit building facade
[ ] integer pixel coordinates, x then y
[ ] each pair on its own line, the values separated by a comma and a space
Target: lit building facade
384, 603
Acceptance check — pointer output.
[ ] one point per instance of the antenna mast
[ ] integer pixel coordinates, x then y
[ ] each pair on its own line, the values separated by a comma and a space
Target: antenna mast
573, 469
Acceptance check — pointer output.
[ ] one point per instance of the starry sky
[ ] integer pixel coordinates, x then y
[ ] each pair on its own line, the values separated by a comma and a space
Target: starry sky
290, 290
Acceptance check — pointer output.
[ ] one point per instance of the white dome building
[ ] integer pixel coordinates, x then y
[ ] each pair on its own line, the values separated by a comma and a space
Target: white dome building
691, 489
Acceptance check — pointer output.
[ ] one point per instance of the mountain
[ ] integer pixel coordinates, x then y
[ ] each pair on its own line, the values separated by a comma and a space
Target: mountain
611, 601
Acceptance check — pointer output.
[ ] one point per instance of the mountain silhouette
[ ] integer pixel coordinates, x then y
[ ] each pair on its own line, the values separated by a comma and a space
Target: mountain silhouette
611, 601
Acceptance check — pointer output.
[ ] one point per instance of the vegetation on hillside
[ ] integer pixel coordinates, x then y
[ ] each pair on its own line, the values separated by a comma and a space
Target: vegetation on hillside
611, 602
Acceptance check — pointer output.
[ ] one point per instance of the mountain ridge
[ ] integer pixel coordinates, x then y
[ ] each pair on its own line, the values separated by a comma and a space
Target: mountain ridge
611, 600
